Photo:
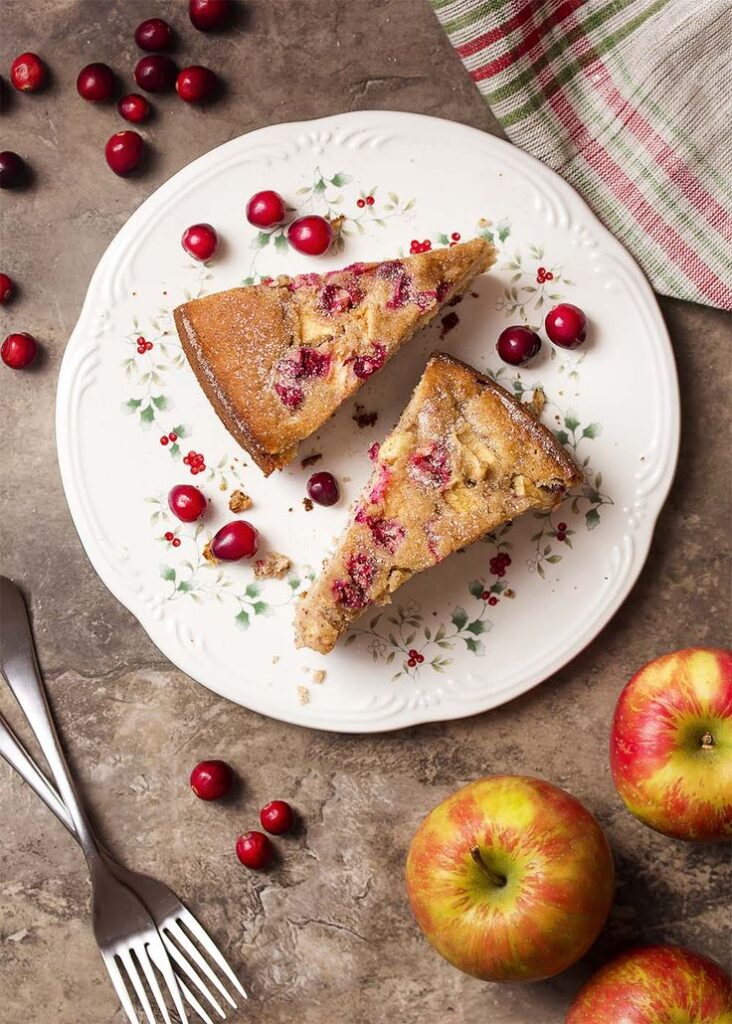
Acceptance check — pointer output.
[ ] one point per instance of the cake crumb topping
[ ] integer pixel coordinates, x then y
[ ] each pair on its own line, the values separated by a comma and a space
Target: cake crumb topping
272, 567
239, 501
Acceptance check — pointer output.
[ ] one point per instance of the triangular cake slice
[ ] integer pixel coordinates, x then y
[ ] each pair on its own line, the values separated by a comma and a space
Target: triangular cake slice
276, 360
464, 458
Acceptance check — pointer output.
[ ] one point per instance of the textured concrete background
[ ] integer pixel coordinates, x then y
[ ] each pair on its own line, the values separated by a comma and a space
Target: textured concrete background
327, 933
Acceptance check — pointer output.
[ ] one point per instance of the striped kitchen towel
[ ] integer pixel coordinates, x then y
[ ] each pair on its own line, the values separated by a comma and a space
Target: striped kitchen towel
631, 102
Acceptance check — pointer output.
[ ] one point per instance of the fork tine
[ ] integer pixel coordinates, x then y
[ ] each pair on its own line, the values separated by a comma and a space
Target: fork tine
182, 939
183, 965
119, 987
200, 933
194, 1003
152, 981
134, 976
166, 969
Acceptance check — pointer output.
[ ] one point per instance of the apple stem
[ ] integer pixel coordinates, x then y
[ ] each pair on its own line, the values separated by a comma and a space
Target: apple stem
498, 880
707, 741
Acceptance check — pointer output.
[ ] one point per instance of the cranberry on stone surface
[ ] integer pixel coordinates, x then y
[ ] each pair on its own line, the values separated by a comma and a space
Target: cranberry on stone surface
186, 502
124, 151
254, 850
207, 15
134, 108
234, 541
95, 83
19, 350
323, 488
28, 73
210, 780
566, 325
517, 345
311, 235
277, 817
155, 73
200, 241
154, 34
13, 170
265, 209
6, 289
196, 83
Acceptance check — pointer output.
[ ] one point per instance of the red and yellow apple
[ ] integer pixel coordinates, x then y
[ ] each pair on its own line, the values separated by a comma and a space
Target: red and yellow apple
655, 985
510, 878
671, 744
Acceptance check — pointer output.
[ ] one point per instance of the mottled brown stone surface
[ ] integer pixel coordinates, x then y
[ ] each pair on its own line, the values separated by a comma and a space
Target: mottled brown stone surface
326, 934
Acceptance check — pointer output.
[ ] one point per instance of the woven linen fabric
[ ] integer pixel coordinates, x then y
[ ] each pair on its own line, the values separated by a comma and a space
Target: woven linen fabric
631, 102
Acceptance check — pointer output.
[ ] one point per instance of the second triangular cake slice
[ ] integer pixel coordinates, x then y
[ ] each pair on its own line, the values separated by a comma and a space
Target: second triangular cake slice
464, 458
276, 360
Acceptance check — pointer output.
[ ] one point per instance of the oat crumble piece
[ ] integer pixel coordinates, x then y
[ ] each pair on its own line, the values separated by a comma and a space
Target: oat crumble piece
319, 675
272, 567
239, 501
303, 695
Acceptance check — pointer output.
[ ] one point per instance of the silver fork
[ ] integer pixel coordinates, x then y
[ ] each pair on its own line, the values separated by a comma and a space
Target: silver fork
124, 930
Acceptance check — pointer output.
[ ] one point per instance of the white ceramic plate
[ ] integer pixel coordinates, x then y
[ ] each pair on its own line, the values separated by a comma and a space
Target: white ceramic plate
483, 638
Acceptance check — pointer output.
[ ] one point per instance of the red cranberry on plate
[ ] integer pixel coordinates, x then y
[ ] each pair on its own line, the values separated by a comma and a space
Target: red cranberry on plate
517, 345
186, 502
155, 73
311, 235
323, 488
236, 540
207, 15
95, 83
196, 84
200, 241
19, 350
210, 780
13, 170
566, 325
277, 817
265, 209
254, 850
124, 151
28, 73
134, 108
154, 34
6, 289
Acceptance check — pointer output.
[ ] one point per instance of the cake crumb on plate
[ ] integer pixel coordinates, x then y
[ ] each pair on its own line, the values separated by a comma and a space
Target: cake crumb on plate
272, 566
239, 501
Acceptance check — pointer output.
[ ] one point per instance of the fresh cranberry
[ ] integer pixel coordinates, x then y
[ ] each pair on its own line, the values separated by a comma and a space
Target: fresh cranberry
200, 241
234, 541
265, 209
517, 345
254, 850
124, 152
28, 72
323, 488
206, 15
196, 83
19, 350
566, 325
6, 289
155, 73
277, 817
95, 83
13, 170
210, 780
186, 502
154, 34
311, 235
134, 108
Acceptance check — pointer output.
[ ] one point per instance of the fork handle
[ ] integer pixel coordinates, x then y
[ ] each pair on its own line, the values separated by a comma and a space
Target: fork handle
18, 758
20, 668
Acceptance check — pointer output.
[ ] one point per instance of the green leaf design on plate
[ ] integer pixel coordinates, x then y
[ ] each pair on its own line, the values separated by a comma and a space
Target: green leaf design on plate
147, 415
242, 619
476, 588
459, 618
167, 572
592, 518
592, 430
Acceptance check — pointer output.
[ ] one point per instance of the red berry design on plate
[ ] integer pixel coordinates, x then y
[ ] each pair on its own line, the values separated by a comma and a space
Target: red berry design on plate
28, 73
154, 34
19, 350
311, 235
124, 152
455, 236
95, 83
277, 817
517, 345
134, 108
492, 600
234, 541
323, 488
169, 535
566, 325
186, 502
6, 289
210, 780
254, 850
13, 170
155, 73
265, 209
176, 542
196, 84
360, 203
370, 200
200, 241
195, 462
417, 247
207, 15
499, 563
